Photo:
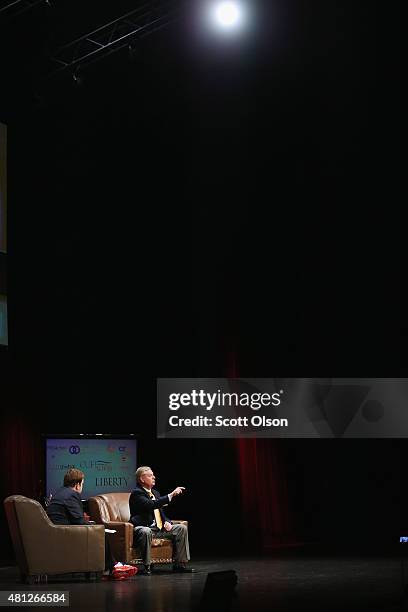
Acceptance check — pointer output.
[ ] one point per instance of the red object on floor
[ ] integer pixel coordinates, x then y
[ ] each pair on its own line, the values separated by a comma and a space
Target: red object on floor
121, 572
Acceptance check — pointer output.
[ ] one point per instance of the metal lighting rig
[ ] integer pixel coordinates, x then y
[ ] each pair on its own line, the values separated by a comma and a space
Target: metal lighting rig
13, 9
115, 35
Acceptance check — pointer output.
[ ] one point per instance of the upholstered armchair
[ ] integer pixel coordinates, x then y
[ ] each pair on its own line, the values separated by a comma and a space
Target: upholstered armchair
112, 510
42, 548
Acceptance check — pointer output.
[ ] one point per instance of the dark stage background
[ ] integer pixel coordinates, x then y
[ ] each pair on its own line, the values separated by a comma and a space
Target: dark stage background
207, 212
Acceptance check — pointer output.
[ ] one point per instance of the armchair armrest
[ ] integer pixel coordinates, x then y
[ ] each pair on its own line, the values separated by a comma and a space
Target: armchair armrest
121, 541
73, 548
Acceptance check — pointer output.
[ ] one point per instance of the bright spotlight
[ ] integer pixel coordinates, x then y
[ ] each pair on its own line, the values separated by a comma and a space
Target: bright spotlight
223, 19
227, 14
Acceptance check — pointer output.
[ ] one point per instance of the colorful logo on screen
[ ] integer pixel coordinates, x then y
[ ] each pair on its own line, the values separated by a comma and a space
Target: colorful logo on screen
74, 449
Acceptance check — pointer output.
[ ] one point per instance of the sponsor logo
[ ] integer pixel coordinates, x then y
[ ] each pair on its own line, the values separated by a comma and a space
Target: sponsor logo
112, 481
99, 464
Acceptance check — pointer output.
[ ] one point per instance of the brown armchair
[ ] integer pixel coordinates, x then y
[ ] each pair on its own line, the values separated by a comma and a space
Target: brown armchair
112, 510
42, 548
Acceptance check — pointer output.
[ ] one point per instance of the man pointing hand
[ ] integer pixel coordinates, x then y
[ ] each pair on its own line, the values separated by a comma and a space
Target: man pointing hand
148, 517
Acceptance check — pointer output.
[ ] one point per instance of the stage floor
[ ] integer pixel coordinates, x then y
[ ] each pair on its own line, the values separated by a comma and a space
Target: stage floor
279, 583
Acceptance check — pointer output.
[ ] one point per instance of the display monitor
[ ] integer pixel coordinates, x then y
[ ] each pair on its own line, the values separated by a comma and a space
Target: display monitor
109, 463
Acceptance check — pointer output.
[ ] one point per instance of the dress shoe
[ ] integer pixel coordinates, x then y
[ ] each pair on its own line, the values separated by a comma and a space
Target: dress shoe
146, 571
180, 568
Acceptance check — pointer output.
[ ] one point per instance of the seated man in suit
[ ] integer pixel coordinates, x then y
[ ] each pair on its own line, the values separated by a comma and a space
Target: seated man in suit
147, 515
65, 508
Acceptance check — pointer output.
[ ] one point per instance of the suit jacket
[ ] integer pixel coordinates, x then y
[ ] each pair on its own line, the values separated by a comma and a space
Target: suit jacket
66, 508
142, 507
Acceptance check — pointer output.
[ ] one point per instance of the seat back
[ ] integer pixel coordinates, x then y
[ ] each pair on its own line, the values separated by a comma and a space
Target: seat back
35, 525
15, 533
110, 507
30, 528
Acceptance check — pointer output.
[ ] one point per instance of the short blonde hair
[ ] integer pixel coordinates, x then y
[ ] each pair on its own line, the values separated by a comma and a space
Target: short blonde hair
141, 470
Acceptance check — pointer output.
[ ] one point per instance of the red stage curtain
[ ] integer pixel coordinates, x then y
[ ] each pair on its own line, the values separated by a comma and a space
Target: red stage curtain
264, 495
266, 516
22, 467
21, 457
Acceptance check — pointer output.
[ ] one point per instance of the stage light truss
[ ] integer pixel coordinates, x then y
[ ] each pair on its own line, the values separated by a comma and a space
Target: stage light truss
12, 9
115, 35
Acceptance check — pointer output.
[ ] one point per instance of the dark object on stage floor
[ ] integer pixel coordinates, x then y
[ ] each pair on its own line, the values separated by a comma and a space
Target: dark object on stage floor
42, 548
219, 591
112, 510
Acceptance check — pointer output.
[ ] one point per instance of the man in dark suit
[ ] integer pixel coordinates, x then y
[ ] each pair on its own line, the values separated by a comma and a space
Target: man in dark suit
65, 508
148, 517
